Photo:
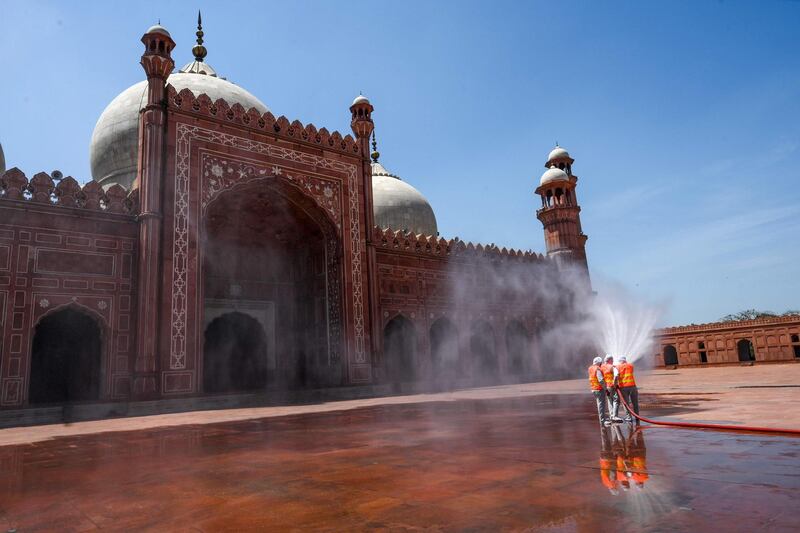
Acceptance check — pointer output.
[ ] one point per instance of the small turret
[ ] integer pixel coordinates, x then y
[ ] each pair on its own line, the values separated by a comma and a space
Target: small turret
157, 61
560, 158
361, 122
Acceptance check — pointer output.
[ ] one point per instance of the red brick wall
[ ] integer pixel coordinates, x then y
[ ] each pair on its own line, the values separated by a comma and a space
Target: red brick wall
417, 277
52, 256
771, 338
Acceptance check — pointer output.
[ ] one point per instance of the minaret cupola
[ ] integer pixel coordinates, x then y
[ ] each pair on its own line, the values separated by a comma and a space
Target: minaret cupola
361, 121
560, 158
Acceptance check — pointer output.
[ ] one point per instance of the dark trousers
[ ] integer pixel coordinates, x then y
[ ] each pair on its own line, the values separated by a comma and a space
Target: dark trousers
600, 398
631, 397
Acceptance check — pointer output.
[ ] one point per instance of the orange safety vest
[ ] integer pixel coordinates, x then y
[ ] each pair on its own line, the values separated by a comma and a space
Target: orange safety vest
639, 470
608, 374
605, 474
626, 375
593, 381
622, 470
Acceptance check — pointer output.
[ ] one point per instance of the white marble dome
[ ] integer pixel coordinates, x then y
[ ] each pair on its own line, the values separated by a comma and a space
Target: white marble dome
114, 148
553, 174
398, 205
158, 28
558, 153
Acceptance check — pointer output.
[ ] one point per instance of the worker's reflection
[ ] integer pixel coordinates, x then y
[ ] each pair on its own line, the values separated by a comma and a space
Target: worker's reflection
623, 459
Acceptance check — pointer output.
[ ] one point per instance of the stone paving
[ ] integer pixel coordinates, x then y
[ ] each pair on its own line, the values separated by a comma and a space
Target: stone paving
525, 457
756, 395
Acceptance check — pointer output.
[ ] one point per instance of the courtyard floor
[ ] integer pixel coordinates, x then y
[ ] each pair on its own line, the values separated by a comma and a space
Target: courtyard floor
503, 458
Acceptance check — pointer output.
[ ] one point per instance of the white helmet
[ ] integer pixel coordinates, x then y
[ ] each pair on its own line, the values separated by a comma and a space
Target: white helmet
623, 359
609, 357
597, 361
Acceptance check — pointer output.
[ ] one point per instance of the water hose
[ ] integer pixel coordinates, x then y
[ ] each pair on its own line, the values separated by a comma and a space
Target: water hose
695, 425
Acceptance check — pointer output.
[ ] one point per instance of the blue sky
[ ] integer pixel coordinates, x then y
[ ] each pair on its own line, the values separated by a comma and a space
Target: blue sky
683, 117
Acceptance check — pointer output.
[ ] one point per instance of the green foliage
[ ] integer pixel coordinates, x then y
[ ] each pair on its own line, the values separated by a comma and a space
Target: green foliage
752, 314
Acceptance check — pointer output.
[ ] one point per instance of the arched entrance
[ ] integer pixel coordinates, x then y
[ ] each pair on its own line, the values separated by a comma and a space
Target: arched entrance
445, 357
745, 350
517, 348
482, 348
234, 354
65, 358
399, 350
670, 355
267, 244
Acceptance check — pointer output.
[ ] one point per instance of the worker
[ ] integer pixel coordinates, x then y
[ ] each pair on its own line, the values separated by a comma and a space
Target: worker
607, 477
638, 455
627, 387
598, 386
610, 377
620, 450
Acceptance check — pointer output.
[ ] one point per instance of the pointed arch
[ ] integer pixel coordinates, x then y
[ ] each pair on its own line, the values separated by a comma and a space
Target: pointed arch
670, 355
265, 241
445, 354
66, 363
518, 347
234, 354
483, 349
745, 350
399, 350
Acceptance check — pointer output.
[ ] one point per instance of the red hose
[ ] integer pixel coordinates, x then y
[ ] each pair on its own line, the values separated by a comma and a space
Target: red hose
726, 427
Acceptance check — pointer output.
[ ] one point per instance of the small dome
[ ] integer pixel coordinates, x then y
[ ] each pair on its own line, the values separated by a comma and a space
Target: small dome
558, 153
199, 67
399, 206
115, 142
2, 160
553, 174
360, 99
158, 28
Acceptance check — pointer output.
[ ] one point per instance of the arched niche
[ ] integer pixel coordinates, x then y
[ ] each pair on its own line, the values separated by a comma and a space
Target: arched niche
485, 366
399, 350
66, 357
670, 355
447, 362
518, 348
267, 245
745, 350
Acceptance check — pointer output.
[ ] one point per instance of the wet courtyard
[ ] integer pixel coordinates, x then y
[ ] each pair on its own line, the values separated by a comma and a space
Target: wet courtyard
539, 463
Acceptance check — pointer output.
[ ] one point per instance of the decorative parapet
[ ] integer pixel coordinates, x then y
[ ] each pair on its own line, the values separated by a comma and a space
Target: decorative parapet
42, 189
437, 246
731, 324
265, 123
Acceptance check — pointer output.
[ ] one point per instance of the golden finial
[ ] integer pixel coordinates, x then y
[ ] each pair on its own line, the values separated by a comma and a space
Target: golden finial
199, 50
375, 153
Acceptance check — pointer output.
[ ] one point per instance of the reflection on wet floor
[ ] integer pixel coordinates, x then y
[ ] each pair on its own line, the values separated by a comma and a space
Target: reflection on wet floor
623, 458
487, 465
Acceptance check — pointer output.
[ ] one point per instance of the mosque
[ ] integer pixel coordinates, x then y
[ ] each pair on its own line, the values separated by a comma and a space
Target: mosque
221, 250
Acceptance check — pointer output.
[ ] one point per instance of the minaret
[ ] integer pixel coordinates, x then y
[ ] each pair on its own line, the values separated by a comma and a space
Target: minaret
560, 214
158, 64
362, 126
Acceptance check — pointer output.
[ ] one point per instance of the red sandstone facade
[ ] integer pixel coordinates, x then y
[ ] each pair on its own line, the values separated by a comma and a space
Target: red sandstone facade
762, 340
240, 214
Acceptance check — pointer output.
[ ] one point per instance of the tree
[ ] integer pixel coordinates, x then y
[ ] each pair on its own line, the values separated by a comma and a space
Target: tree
791, 312
747, 314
